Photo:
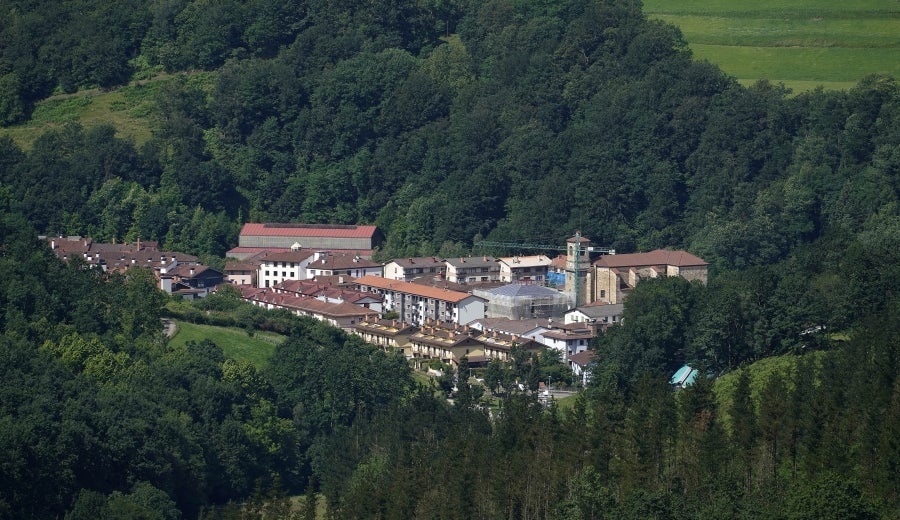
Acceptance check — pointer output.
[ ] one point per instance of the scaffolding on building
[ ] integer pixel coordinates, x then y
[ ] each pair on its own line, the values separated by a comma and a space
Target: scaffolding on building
520, 302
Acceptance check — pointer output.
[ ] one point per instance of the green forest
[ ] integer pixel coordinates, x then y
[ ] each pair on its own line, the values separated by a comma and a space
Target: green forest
445, 122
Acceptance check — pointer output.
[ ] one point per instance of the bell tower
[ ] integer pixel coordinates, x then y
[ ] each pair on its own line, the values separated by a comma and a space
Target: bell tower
578, 270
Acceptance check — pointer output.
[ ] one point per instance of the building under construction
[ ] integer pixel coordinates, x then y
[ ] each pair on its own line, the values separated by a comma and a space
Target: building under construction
518, 302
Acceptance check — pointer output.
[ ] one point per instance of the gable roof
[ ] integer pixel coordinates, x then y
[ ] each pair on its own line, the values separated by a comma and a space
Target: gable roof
515, 262
306, 304
443, 337
559, 262
583, 358
194, 271
334, 262
600, 311
656, 257
288, 256
308, 230
384, 327
231, 267
518, 327
414, 289
502, 341
440, 283
473, 261
418, 261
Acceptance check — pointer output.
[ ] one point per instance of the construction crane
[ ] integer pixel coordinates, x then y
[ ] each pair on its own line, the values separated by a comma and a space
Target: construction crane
547, 247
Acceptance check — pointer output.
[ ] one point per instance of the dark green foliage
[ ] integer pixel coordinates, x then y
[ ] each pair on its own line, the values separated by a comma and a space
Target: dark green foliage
444, 122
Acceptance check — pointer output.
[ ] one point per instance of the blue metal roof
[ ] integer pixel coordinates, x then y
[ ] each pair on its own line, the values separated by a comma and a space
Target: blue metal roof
684, 376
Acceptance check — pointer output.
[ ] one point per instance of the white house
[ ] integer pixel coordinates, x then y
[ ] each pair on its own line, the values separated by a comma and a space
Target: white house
524, 269
532, 328
597, 315
407, 269
275, 268
417, 303
568, 339
473, 269
341, 264
581, 364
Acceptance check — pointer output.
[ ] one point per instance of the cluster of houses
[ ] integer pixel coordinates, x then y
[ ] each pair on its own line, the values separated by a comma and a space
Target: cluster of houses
430, 308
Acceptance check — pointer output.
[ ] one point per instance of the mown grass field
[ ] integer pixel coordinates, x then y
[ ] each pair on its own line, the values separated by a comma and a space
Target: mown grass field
801, 43
234, 342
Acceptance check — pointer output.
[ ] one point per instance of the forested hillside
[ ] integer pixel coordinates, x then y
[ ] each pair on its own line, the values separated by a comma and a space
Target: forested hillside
440, 122
444, 122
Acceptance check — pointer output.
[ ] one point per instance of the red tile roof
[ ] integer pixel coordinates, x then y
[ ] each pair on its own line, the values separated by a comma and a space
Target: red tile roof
308, 230
239, 266
414, 289
263, 251
287, 256
307, 304
334, 262
657, 257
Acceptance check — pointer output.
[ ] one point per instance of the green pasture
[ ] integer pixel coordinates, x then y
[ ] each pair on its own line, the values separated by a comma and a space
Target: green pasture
815, 64
236, 343
130, 109
813, 7
802, 44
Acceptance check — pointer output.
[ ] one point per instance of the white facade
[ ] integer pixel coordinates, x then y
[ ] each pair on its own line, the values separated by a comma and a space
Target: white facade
279, 267
415, 304
567, 342
407, 269
524, 269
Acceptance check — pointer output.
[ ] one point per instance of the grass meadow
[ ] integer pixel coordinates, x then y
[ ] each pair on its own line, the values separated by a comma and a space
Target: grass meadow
234, 342
801, 43
130, 109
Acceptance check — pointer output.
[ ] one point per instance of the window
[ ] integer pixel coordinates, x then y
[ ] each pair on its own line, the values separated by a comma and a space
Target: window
603, 294
267, 273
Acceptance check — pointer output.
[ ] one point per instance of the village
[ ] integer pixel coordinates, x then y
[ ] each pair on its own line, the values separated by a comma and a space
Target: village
430, 308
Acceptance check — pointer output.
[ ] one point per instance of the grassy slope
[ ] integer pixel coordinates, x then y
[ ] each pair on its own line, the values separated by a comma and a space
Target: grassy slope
801, 43
760, 372
235, 342
130, 109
